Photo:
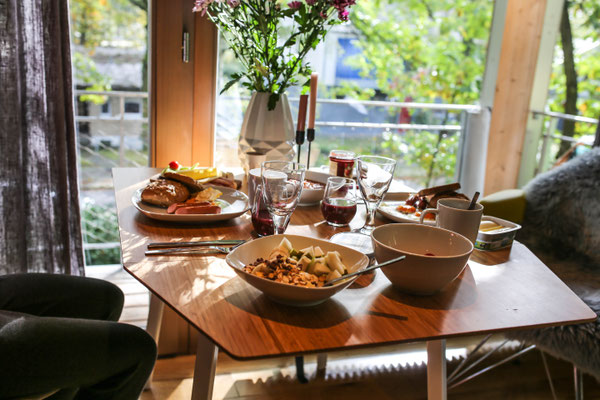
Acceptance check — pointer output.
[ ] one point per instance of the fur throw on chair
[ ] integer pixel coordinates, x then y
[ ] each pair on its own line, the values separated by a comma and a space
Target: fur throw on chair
562, 215
562, 227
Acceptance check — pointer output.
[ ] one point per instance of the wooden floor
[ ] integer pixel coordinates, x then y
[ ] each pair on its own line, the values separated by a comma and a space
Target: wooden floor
519, 380
395, 372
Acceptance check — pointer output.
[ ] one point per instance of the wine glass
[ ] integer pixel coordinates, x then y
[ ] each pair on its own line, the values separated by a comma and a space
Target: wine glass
282, 183
374, 175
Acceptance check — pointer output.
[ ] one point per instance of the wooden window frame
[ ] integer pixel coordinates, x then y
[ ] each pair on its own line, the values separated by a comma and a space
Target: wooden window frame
183, 94
182, 113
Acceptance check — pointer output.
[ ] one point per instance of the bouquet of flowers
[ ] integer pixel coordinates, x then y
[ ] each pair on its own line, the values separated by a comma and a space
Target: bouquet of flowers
271, 38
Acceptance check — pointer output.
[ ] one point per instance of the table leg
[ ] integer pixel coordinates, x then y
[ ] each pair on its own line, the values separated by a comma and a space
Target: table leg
300, 370
436, 370
321, 365
155, 313
204, 369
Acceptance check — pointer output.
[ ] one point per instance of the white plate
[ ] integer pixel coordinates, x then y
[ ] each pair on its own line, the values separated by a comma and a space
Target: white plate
290, 294
233, 204
387, 208
311, 197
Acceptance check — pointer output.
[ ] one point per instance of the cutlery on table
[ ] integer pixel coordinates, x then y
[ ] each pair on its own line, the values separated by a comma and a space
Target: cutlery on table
165, 245
187, 251
383, 264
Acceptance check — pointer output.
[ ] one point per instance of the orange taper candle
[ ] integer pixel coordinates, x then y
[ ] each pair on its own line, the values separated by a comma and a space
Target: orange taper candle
313, 100
302, 113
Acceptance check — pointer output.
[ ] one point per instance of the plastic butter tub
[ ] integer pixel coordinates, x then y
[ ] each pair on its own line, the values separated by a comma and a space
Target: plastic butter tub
496, 237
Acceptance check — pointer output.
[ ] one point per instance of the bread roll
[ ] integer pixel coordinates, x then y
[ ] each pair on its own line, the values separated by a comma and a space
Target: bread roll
164, 192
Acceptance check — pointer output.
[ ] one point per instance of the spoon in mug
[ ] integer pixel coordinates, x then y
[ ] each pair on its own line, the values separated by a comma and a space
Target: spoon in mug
383, 264
474, 201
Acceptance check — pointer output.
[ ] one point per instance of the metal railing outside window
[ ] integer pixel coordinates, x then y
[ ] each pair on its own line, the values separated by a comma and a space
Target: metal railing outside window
551, 137
112, 131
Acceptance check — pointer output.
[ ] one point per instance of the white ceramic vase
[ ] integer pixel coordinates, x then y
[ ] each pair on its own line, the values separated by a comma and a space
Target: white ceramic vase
270, 132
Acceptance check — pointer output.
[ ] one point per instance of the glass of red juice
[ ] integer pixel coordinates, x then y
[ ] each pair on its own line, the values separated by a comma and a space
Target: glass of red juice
261, 217
339, 202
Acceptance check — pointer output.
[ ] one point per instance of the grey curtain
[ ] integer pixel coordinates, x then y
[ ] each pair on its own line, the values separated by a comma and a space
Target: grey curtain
39, 209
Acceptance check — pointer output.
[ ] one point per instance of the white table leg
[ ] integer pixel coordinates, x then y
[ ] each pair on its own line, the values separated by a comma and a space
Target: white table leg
155, 313
321, 364
436, 370
204, 369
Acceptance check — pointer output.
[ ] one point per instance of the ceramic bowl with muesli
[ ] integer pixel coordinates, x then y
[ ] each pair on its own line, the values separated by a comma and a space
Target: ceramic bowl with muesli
294, 270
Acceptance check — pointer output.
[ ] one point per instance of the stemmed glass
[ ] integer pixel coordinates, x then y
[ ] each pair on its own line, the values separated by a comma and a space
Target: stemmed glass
374, 175
282, 183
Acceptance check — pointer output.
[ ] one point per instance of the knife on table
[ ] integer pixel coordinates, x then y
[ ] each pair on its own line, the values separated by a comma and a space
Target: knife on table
222, 242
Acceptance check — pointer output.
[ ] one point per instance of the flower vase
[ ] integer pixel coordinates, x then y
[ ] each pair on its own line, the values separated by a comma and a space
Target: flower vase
268, 132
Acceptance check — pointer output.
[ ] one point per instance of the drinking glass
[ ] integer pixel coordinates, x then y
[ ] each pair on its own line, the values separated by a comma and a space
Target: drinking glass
339, 202
261, 217
374, 175
282, 183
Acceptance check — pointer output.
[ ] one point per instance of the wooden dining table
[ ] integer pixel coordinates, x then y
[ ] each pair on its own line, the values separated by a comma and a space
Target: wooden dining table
498, 291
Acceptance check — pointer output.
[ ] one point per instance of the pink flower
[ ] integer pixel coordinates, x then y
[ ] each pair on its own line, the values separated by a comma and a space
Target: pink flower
233, 3
295, 5
201, 6
341, 7
311, 2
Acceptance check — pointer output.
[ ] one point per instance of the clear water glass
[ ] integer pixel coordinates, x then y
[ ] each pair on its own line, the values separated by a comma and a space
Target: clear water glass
374, 175
282, 183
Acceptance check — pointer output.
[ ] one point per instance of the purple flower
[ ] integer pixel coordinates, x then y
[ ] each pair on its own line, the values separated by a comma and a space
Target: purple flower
341, 7
201, 6
295, 5
311, 2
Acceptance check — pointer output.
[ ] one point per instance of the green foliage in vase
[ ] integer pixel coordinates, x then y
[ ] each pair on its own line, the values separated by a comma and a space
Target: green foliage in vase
271, 39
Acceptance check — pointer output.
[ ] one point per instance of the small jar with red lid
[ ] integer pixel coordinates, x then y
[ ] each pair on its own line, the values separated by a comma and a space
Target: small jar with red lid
341, 163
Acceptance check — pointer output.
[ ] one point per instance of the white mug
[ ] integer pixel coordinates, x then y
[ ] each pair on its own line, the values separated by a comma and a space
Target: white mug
255, 159
454, 215
254, 179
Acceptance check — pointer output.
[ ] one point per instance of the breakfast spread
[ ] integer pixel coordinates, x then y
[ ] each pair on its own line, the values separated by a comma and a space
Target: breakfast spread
183, 190
495, 233
489, 226
196, 176
309, 267
312, 185
411, 208
164, 192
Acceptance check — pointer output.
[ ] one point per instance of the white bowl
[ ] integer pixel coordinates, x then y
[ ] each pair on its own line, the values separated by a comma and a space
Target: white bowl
420, 273
314, 196
289, 294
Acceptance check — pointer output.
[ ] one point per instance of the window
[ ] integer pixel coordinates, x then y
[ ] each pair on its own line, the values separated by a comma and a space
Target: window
106, 109
391, 55
109, 63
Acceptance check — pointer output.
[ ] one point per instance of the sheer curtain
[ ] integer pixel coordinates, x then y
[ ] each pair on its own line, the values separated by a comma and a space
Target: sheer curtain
39, 209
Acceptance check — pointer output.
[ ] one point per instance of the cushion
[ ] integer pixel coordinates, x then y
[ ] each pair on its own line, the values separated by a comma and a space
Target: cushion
506, 204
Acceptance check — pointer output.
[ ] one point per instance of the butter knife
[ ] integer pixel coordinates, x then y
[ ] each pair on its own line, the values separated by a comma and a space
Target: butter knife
222, 242
189, 251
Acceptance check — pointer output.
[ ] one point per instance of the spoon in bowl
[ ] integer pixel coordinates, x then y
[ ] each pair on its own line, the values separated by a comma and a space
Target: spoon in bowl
383, 264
